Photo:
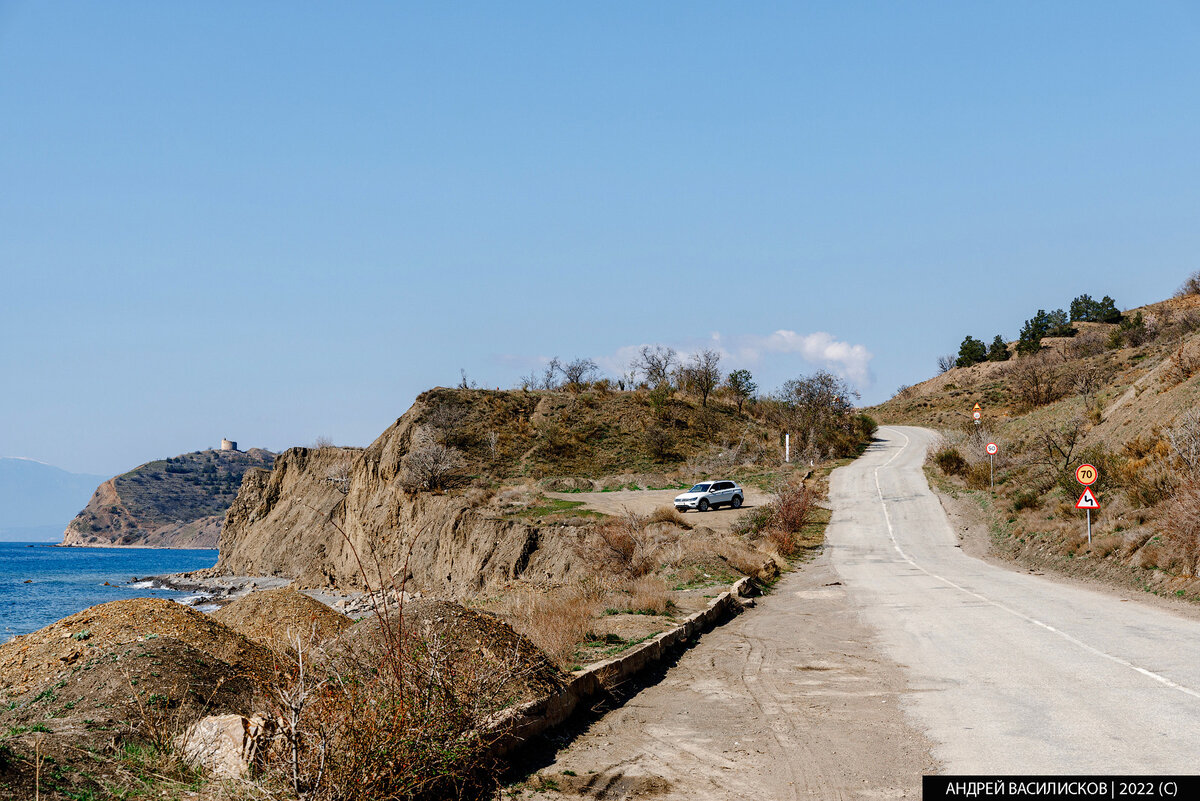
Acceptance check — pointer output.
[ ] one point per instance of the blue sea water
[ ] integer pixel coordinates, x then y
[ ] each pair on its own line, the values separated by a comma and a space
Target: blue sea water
62, 581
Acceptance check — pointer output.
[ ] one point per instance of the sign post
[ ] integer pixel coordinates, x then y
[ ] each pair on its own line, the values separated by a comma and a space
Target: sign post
1086, 475
992, 449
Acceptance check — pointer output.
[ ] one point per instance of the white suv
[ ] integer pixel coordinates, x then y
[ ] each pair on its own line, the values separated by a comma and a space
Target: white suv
710, 495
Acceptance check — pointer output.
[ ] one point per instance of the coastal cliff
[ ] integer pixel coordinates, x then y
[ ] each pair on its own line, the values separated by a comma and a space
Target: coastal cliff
168, 503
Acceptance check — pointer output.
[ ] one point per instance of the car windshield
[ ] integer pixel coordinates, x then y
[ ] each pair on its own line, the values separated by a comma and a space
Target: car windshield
699, 488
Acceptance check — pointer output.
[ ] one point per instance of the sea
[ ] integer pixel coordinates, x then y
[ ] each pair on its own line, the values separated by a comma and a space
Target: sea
41, 583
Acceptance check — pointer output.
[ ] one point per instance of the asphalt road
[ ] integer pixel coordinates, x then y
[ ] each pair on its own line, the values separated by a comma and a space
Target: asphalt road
1008, 672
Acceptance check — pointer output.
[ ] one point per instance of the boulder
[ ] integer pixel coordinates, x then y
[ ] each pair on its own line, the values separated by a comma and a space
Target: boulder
227, 746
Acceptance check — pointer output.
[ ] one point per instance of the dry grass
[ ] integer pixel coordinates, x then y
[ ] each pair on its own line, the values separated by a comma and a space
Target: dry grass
649, 595
556, 621
667, 514
1181, 530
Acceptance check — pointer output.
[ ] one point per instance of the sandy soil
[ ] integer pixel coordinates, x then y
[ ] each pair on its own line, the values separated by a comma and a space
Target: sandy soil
788, 701
646, 501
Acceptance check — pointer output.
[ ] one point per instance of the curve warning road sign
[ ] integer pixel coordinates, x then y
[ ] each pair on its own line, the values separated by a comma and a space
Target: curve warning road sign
1087, 500
1086, 475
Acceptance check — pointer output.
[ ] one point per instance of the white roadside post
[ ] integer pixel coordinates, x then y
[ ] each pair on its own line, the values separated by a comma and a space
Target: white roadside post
787, 447
1086, 475
992, 449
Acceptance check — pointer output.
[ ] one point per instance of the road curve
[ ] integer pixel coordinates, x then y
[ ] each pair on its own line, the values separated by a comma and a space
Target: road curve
1007, 672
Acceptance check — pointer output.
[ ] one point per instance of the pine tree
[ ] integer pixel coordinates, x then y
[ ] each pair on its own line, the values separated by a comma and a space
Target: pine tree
998, 352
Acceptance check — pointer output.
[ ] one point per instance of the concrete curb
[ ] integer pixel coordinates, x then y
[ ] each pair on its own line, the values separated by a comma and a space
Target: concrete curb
514, 727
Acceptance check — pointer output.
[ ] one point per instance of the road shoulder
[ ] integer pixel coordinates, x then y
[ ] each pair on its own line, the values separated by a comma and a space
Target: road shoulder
791, 701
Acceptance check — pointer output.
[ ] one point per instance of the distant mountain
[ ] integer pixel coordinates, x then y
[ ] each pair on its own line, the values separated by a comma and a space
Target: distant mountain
37, 500
168, 503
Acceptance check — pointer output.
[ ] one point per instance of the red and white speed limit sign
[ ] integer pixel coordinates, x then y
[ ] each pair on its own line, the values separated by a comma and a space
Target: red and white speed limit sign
1086, 475
992, 449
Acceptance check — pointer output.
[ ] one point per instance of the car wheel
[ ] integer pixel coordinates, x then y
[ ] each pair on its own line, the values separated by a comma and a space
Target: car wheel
681, 509
736, 503
703, 505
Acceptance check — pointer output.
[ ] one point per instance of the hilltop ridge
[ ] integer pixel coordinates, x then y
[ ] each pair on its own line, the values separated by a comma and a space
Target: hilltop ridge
168, 503
308, 517
1123, 396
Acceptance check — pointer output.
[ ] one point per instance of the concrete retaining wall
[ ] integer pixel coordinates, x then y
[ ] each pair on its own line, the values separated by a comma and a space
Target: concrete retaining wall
516, 726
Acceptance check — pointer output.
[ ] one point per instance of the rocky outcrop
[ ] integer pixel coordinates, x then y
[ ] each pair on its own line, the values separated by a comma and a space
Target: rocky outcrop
168, 503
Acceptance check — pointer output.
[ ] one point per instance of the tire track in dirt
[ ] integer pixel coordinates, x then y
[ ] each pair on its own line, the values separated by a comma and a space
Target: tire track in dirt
787, 701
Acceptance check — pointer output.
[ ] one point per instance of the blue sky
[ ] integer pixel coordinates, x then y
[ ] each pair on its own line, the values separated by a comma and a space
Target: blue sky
276, 221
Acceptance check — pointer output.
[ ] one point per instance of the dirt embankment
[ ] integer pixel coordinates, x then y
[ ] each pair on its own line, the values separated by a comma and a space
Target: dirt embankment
327, 517
297, 523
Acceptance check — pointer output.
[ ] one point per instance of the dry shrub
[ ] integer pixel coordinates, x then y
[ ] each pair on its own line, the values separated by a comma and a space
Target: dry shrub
429, 465
557, 621
1033, 381
1149, 556
1181, 529
404, 721
950, 461
1189, 287
479, 496
789, 511
649, 595
793, 508
1085, 344
667, 514
979, 476
1026, 500
783, 542
624, 546
1182, 365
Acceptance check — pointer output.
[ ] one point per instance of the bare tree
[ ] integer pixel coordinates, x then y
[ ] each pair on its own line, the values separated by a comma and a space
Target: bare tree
946, 363
550, 375
1190, 287
704, 373
1056, 446
656, 363
1034, 382
577, 372
429, 465
1088, 380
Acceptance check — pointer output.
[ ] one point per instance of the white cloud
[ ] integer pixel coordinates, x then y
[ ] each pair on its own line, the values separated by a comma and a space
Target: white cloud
818, 348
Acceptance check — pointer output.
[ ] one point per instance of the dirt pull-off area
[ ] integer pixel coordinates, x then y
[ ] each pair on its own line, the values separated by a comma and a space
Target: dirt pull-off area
787, 702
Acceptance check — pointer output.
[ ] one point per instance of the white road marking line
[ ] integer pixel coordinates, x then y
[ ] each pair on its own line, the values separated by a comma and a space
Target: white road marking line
1091, 649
